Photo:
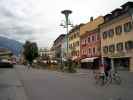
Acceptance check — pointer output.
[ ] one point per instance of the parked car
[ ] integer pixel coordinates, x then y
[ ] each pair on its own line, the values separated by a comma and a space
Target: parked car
5, 63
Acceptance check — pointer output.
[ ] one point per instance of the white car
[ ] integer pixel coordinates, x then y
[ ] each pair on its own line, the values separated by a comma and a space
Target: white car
4, 63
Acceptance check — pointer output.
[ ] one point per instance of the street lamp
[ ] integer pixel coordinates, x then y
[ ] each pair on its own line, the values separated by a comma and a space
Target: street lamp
66, 23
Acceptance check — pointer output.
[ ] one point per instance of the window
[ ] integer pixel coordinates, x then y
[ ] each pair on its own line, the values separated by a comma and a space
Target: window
111, 33
105, 49
75, 53
83, 51
127, 27
129, 45
89, 50
94, 50
85, 42
98, 36
93, 38
111, 48
78, 53
118, 30
74, 36
77, 43
88, 39
119, 47
104, 35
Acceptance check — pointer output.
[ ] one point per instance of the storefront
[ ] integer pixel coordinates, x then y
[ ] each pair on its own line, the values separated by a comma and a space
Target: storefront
120, 63
90, 63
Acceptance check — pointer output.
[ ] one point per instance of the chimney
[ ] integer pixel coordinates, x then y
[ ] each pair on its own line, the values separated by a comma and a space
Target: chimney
91, 19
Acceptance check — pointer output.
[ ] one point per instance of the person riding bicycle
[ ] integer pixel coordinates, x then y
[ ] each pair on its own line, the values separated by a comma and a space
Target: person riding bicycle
107, 69
102, 72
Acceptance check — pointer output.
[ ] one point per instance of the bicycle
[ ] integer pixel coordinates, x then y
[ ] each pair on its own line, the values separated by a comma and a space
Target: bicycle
114, 77
99, 78
102, 79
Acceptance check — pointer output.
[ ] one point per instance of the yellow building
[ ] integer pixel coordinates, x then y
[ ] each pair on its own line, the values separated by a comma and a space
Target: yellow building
90, 43
117, 37
74, 42
91, 25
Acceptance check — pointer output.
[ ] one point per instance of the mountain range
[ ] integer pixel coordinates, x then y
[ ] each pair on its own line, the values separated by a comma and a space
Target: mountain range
14, 46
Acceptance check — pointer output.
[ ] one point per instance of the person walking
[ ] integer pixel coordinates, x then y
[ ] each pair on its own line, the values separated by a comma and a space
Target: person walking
28, 66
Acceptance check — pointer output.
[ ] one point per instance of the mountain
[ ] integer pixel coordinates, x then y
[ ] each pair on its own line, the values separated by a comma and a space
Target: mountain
11, 44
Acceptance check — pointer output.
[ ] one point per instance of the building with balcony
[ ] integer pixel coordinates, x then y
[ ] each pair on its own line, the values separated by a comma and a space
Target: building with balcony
90, 43
74, 42
117, 37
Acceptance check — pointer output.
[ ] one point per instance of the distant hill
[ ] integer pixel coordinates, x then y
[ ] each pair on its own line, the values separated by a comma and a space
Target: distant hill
11, 44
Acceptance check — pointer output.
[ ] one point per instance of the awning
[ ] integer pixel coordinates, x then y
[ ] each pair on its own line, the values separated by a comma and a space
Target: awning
89, 59
113, 57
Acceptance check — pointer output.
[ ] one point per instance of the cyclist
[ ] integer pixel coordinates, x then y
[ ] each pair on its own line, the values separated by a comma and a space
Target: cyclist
107, 69
102, 71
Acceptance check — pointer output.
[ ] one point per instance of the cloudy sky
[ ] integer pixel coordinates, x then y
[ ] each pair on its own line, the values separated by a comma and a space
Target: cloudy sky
39, 20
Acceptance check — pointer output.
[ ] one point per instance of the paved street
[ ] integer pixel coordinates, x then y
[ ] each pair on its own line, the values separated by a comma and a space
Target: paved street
11, 87
53, 85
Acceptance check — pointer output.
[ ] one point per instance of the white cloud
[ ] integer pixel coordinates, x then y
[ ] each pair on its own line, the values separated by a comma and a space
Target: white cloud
38, 20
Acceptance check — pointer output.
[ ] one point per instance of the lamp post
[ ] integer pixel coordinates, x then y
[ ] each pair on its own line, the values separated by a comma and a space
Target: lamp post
66, 24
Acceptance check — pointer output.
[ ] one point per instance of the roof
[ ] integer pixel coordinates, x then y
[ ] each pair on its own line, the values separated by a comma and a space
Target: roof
60, 37
127, 4
75, 28
119, 11
91, 25
116, 10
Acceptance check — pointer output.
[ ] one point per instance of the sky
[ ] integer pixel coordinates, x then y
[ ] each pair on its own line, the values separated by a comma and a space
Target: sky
39, 20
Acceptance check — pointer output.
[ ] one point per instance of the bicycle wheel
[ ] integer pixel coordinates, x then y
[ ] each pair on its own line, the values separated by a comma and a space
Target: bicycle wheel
101, 81
117, 80
109, 80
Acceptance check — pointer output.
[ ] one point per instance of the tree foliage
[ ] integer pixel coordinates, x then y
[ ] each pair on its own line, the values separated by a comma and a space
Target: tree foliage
30, 51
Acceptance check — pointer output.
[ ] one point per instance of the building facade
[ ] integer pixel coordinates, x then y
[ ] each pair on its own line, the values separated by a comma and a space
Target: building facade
5, 53
74, 42
117, 37
90, 43
57, 47
64, 49
46, 52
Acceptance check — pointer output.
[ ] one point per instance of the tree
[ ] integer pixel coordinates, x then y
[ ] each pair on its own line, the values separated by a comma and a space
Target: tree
30, 51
